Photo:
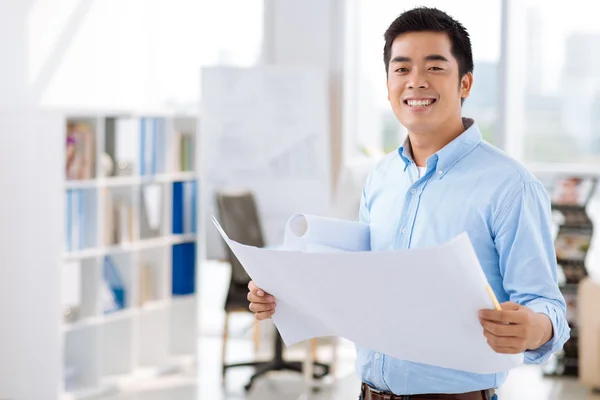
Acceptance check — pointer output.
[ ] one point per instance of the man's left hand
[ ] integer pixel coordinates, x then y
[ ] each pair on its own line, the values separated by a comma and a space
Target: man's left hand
515, 328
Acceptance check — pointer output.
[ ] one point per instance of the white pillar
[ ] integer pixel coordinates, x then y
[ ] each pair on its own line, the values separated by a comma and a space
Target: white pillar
512, 80
31, 237
311, 32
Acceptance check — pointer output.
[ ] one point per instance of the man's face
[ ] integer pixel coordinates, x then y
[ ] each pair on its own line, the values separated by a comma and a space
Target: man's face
423, 84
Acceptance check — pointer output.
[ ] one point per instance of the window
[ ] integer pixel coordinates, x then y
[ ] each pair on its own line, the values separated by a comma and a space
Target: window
374, 127
561, 95
553, 87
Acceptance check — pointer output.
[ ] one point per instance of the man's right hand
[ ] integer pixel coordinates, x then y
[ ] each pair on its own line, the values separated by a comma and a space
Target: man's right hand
261, 304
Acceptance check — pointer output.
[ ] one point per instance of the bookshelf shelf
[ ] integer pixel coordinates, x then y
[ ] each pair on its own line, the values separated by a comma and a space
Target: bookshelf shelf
130, 180
130, 251
81, 324
130, 247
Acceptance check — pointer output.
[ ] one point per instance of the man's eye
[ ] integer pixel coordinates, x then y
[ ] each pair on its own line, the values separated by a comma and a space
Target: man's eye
402, 70
436, 68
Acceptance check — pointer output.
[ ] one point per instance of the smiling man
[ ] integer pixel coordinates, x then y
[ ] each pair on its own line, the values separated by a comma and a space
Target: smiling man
445, 180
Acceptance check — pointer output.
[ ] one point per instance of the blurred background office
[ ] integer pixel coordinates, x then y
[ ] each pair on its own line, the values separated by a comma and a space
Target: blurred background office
126, 124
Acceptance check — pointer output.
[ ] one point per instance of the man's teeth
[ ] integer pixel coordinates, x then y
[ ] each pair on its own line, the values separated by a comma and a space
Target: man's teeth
419, 103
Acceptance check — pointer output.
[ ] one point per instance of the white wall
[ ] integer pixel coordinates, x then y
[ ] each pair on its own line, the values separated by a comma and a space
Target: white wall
13, 52
114, 54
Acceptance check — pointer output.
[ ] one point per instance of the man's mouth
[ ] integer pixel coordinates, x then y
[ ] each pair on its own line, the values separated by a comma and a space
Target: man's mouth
419, 103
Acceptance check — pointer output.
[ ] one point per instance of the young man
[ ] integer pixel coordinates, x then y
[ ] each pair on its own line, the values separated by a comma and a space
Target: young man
445, 180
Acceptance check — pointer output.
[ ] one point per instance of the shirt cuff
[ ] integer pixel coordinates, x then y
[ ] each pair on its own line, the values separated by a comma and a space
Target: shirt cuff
560, 330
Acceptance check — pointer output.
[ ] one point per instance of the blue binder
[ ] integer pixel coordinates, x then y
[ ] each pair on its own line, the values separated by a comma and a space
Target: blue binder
184, 207
184, 269
178, 216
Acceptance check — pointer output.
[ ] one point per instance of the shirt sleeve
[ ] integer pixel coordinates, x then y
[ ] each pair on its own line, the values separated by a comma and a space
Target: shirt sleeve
363, 212
523, 238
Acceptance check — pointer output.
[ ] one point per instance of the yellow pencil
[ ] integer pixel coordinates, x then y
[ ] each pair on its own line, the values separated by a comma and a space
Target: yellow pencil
493, 296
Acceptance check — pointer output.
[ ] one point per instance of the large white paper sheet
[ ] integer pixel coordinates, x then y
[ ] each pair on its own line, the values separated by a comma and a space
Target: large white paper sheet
418, 305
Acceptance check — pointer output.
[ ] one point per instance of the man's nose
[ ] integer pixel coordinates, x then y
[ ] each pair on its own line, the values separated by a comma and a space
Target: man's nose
420, 84
418, 80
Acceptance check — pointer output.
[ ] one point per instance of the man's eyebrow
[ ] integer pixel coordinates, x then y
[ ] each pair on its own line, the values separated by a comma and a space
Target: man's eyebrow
436, 57
401, 59
431, 57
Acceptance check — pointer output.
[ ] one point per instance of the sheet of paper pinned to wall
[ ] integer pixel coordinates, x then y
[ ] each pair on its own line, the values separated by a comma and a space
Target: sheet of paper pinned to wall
423, 289
266, 129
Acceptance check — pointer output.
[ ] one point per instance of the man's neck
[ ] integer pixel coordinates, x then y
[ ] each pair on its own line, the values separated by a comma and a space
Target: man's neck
425, 144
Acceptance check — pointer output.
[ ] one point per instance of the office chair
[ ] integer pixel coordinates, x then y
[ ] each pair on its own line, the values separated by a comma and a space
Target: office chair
238, 215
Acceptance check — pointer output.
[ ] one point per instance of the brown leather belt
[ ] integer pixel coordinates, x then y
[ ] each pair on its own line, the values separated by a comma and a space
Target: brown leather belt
371, 394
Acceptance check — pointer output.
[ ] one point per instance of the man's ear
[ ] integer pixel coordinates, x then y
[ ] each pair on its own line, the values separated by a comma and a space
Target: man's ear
466, 83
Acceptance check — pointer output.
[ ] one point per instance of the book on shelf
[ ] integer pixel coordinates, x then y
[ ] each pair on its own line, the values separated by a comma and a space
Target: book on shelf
118, 220
146, 283
184, 151
76, 221
113, 291
124, 226
152, 140
183, 268
184, 207
151, 210
136, 145
80, 151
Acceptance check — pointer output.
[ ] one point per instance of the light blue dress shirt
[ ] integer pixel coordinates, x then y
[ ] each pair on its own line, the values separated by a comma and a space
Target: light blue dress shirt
471, 186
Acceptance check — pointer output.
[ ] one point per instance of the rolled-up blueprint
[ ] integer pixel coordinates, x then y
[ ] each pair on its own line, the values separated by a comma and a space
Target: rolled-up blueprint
311, 233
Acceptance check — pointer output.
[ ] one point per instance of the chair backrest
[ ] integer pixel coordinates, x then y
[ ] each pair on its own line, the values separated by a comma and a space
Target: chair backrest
239, 218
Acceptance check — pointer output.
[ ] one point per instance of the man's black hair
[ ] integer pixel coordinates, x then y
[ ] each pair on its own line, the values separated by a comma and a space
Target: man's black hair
431, 19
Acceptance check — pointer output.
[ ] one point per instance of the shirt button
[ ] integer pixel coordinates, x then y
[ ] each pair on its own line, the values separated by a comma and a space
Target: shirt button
414, 191
440, 172
377, 356
404, 231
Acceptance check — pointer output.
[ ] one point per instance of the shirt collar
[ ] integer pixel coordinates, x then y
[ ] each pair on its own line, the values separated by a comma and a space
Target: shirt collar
449, 155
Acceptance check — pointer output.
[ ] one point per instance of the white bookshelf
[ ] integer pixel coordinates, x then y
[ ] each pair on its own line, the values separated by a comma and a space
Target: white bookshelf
148, 347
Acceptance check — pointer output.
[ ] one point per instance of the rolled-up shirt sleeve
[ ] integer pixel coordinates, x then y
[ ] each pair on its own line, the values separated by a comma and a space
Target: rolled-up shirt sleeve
523, 238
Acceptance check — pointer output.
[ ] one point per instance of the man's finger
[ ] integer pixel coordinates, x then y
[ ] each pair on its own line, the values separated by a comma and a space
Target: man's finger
264, 315
256, 299
495, 315
255, 289
261, 307
502, 341
518, 344
506, 316
500, 329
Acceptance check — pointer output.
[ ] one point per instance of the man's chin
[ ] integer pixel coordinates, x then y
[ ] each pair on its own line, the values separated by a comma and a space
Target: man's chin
416, 126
